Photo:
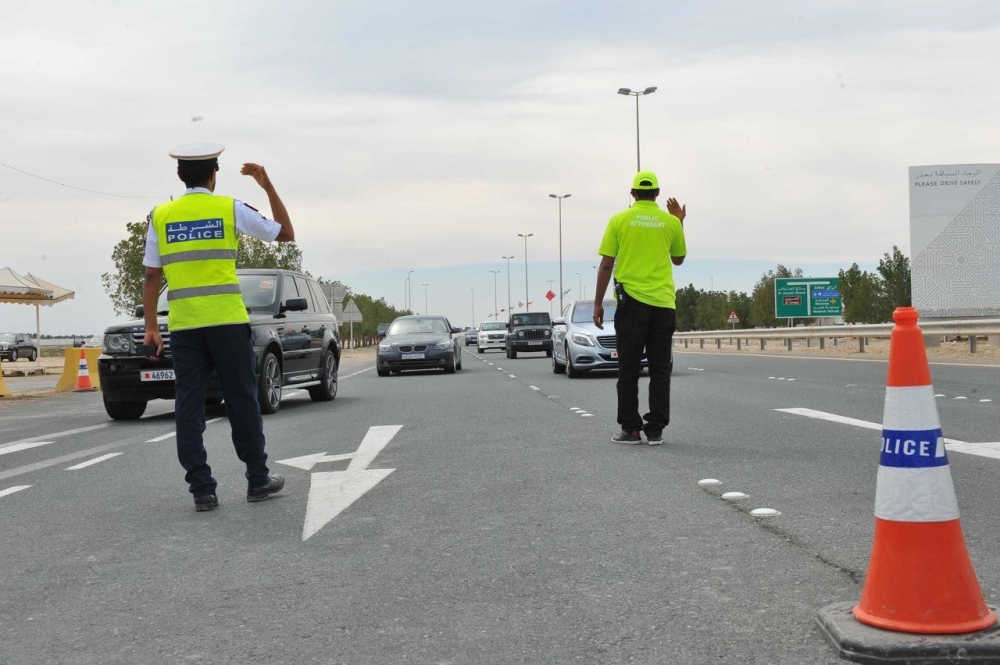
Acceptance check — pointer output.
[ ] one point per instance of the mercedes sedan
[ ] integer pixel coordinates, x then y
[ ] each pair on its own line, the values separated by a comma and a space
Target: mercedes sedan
578, 345
419, 342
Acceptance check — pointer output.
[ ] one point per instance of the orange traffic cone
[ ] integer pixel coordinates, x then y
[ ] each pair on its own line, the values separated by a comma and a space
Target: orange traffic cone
920, 578
83, 384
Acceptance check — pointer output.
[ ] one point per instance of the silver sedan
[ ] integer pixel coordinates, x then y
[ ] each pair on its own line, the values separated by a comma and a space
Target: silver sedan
578, 345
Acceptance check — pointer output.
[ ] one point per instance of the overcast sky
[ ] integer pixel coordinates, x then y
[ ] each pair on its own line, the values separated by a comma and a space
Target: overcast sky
426, 135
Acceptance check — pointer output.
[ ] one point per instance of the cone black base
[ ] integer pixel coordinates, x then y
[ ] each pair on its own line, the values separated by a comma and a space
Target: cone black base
860, 643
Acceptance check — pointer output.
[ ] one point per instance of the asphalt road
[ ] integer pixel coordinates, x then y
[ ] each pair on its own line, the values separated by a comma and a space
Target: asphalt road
509, 529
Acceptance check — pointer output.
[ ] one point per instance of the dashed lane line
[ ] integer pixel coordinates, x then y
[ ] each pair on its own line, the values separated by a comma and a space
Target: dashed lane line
96, 460
56, 435
14, 447
15, 488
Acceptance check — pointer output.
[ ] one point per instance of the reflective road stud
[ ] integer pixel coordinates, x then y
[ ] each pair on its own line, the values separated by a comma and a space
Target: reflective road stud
920, 578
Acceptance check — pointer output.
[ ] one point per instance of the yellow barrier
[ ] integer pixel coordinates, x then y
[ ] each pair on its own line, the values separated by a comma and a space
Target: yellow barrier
72, 366
4, 390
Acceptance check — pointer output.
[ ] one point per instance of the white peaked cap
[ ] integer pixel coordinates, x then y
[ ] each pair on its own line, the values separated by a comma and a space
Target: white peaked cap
197, 151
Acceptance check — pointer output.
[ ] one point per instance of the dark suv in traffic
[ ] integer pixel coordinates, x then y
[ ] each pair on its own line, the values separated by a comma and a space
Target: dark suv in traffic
529, 331
295, 339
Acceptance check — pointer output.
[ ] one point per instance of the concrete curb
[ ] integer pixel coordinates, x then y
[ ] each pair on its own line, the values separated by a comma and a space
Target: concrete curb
861, 643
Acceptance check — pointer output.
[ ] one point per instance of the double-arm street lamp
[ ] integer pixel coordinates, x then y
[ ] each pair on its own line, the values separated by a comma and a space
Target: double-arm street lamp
637, 94
560, 198
507, 259
527, 306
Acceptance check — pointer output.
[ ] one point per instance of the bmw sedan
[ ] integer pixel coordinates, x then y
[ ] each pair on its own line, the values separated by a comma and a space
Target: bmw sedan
419, 342
578, 345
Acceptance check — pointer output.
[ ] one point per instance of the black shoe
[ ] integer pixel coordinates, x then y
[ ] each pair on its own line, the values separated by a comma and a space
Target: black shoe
274, 484
630, 438
205, 503
654, 438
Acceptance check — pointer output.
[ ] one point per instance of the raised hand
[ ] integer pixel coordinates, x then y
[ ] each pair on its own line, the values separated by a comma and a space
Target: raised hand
257, 172
676, 209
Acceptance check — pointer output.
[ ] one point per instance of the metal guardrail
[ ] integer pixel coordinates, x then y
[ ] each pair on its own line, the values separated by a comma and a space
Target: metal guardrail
972, 328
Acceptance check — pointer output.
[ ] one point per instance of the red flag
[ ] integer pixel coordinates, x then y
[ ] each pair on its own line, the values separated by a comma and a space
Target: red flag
551, 296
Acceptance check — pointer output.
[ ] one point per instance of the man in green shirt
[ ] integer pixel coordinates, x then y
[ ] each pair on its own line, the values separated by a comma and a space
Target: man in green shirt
647, 242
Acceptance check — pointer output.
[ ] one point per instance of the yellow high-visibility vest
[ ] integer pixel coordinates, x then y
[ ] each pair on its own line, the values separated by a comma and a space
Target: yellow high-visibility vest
197, 237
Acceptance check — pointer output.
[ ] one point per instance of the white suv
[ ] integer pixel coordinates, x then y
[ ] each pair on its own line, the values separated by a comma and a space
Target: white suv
492, 335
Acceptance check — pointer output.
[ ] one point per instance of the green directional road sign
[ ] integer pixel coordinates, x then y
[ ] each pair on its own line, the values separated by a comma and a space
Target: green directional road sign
804, 297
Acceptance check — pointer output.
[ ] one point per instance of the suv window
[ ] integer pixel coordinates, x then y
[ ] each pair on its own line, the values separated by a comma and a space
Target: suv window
530, 319
322, 305
303, 289
493, 325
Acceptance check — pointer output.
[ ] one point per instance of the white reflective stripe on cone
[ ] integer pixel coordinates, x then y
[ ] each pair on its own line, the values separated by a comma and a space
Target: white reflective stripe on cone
910, 408
915, 495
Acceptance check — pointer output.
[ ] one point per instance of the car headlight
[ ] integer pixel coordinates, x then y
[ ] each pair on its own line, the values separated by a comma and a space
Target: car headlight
520, 334
548, 333
3, 348
118, 343
385, 347
583, 339
443, 345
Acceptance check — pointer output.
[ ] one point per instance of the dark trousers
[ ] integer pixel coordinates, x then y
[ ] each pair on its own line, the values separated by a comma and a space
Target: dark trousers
640, 326
229, 350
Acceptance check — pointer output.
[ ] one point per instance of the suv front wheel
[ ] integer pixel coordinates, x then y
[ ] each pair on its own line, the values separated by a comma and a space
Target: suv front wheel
124, 410
269, 384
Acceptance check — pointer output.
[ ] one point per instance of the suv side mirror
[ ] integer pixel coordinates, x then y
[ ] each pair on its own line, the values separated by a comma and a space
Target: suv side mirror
559, 321
456, 331
140, 311
295, 305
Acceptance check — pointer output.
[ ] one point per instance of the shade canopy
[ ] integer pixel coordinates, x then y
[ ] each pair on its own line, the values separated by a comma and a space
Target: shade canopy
31, 290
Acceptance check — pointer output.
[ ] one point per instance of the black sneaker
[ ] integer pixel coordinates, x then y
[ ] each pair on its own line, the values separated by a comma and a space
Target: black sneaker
205, 503
626, 437
274, 484
654, 438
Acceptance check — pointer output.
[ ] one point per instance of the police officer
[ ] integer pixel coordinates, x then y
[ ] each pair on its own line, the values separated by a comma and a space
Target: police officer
193, 241
647, 242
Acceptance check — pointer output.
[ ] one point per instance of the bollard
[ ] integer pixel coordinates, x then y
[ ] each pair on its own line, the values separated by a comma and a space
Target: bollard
822, 343
761, 343
788, 343
861, 345
718, 343
835, 341
685, 344
972, 343
737, 344
701, 343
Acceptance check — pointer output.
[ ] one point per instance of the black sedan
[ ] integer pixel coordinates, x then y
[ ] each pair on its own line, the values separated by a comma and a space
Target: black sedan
419, 342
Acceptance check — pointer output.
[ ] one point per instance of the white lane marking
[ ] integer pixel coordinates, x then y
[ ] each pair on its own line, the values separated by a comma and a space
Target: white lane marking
14, 447
983, 401
770, 378
586, 415
330, 493
307, 462
575, 408
15, 488
512, 376
769, 508
162, 437
213, 420
534, 387
988, 449
78, 430
961, 397
361, 371
939, 394
96, 460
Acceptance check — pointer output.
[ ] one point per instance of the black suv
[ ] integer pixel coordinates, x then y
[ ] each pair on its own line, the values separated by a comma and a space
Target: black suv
17, 345
529, 331
295, 337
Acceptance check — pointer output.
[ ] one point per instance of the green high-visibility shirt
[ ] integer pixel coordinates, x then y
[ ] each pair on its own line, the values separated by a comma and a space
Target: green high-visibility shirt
642, 239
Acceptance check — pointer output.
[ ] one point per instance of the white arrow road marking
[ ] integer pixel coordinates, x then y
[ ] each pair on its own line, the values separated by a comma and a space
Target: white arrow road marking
307, 462
96, 460
15, 488
953, 445
14, 447
331, 492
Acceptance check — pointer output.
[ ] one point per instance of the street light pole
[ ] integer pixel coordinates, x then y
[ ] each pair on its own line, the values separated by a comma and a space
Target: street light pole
579, 277
637, 93
409, 297
425, 298
495, 312
473, 307
550, 302
560, 198
527, 307
508, 258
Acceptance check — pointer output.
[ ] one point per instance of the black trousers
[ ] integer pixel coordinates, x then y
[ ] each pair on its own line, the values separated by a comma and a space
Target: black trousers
229, 350
640, 326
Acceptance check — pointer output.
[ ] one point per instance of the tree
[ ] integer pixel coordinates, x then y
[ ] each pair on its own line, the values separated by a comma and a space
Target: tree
124, 285
896, 280
686, 304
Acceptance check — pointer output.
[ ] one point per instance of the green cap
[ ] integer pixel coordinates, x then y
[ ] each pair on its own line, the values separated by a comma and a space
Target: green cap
645, 180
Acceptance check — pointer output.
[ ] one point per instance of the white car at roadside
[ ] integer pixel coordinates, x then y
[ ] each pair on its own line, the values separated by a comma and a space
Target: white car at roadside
491, 335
